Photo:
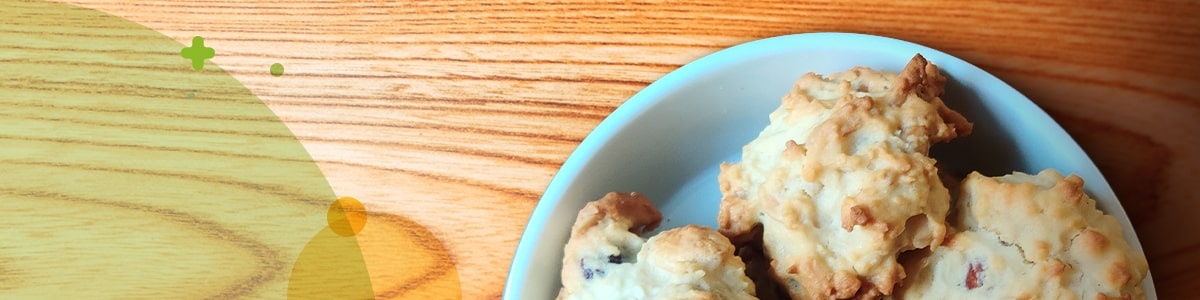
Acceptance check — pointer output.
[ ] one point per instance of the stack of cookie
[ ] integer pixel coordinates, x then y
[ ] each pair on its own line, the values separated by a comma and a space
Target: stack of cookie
836, 190
607, 259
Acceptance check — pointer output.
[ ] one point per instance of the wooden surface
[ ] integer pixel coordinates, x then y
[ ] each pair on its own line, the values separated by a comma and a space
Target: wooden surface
454, 115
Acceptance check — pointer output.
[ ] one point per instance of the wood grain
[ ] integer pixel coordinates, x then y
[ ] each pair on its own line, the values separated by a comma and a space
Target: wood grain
456, 114
130, 175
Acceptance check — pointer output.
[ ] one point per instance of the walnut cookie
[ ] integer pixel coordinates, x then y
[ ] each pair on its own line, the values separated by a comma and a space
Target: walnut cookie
607, 259
1028, 237
841, 181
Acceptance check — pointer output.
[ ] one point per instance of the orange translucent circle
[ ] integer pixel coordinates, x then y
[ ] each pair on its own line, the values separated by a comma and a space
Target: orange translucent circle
347, 216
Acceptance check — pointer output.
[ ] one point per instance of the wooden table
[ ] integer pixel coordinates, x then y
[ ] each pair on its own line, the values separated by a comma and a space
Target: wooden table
453, 116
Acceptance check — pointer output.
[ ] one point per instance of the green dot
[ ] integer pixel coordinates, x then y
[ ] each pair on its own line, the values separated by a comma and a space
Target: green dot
276, 69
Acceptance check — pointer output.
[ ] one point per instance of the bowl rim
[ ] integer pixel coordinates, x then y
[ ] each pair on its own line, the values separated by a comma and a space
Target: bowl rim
639, 103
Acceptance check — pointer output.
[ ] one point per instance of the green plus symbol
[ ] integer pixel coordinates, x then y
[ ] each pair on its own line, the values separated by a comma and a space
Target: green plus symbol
197, 53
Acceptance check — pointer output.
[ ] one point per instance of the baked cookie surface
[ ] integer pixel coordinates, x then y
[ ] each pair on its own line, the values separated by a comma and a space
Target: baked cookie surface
841, 181
1029, 237
606, 258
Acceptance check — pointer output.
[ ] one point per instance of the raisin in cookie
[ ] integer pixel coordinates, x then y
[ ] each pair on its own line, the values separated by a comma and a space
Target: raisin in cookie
841, 180
607, 259
1029, 237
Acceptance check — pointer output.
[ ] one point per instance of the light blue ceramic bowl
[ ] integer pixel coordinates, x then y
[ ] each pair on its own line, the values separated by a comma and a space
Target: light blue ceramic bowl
667, 141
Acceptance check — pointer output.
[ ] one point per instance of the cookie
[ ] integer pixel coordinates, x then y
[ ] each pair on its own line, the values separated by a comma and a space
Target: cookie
1029, 237
607, 259
841, 181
